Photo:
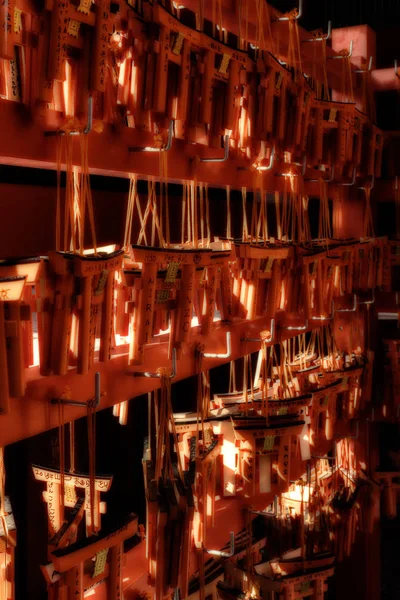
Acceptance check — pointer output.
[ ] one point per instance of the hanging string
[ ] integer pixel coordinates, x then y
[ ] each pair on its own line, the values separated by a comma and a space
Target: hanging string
3, 516
294, 52
228, 213
58, 206
91, 428
72, 447
368, 226
61, 446
324, 225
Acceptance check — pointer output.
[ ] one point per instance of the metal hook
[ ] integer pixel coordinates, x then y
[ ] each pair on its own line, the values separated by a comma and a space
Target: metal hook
97, 396
265, 513
349, 437
371, 187
259, 339
369, 301
365, 70
326, 180
322, 38
271, 161
347, 309
396, 70
228, 349
295, 328
297, 17
157, 375
226, 153
349, 55
325, 456
303, 166
322, 318
153, 148
221, 552
352, 181
87, 129
300, 480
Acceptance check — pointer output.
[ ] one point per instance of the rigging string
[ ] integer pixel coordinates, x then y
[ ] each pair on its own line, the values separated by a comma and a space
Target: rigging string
324, 226
228, 213
3, 517
294, 53
61, 445
245, 228
91, 428
368, 226
72, 447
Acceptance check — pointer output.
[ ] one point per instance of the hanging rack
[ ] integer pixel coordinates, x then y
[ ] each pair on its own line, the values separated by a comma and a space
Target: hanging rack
323, 37
271, 160
352, 181
265, 513
158, 375
221, 552
155, 149
297, 328
349, 55
369, 69
349, 437
297, 17
303, 166
371, 186
95, 400
326, 180
259, 339
307, 481
86, 130
226, 153
348, 309
228, 352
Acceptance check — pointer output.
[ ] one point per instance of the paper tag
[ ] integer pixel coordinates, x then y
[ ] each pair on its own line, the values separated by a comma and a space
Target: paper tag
177, 46
73, 28
224, 63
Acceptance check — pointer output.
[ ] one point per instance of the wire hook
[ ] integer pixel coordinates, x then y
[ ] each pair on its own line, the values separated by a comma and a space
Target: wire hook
228, 349
226, 153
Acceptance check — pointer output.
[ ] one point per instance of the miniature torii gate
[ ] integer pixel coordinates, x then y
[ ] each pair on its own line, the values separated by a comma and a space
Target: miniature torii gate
52, 495
68, 563
8, 542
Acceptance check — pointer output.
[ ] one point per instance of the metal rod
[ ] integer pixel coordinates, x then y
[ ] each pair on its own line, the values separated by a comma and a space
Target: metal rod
226, 153
297, 328
157, 375
221, 552
228, 349
265, 513
349, 55
349, 437
271, 161
369, 301
97, 396
371, 186
322, 38
326, 180
259, 339
153, 148
303, 166
299, 13
365, 70
348, 309
86, 130
352, 181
